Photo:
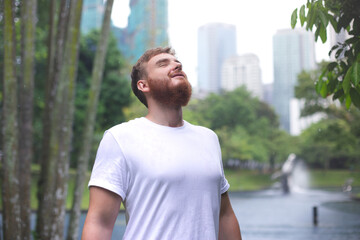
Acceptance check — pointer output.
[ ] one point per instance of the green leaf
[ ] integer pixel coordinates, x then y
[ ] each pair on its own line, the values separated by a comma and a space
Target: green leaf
331, 66
338, 94
332, 85
294, 18
324, 20
352, 40
325, 70
338, 53
341, 99
302, 15
310, 19
344, 21
322, 33
346, 81
319, 85
356, 73
324, 90
347, 101
334, 47
333, 22
355, 97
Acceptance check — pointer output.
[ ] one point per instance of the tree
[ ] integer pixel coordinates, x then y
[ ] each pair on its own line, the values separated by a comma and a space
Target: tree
56, 54
332, 142
82, 164
56, 39
247, 128
61, 119
115, 92
340, 78
10, 141
313, 103
26, 101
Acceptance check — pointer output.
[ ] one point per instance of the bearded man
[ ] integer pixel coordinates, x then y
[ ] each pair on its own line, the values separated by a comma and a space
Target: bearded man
167, 172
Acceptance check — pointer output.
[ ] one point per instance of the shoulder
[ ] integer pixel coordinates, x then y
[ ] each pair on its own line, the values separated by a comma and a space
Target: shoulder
125, 127
202, 130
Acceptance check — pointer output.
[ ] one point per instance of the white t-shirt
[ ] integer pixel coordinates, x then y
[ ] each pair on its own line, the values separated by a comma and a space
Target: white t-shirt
170, 179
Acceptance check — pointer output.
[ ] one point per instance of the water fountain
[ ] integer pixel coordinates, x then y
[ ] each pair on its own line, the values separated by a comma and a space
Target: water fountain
293, 175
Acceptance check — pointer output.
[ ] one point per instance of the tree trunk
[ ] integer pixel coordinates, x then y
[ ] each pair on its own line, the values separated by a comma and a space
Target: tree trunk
61, 121
26, 93
97, 75
46, 182
10, 181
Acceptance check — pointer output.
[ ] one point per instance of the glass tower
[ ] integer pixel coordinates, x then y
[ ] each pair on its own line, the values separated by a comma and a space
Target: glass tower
92, 15
216, 42
147, 28
293, 51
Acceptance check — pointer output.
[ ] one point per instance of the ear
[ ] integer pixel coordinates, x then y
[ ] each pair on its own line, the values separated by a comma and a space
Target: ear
143, 86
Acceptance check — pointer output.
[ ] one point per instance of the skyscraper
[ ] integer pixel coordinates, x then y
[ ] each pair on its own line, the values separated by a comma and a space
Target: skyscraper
92, 15
293, 51
147, 28
242, 70
216, 42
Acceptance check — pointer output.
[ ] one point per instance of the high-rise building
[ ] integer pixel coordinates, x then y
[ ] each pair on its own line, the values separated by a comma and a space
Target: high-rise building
242, 70
147, 28
268, 93
293, 51
92, 15
216, 42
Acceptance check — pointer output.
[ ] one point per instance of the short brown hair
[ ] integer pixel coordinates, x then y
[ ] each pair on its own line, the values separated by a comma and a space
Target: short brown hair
139, 72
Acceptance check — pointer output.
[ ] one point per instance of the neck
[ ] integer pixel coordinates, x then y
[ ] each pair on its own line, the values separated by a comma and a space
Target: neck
165, 115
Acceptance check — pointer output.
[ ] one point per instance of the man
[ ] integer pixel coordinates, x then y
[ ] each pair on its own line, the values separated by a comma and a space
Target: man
167, 172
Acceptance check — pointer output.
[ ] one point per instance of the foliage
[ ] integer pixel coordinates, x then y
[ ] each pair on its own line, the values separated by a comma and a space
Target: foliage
247, 128
114, 95
333, 142
135, 109
341, 77
330, 144
305, 90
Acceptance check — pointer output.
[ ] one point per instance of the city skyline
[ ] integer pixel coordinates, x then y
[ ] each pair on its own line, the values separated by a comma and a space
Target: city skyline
256, 23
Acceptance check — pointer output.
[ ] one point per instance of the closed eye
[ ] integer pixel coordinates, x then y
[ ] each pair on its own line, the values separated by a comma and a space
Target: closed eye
163, 62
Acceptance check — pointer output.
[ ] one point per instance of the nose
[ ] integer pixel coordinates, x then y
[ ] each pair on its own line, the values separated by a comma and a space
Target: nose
178, 66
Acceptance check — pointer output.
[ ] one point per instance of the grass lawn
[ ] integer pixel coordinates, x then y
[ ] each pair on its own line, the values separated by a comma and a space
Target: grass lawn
240, 180
247, 180
243, 180
334, 178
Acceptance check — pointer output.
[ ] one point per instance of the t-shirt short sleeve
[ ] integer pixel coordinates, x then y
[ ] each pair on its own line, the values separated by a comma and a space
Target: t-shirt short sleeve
224, 184
110, 170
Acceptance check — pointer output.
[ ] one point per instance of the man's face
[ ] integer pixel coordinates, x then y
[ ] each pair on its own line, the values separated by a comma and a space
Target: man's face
168, 83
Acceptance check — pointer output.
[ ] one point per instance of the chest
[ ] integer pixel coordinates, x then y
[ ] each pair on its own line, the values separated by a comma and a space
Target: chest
175, 159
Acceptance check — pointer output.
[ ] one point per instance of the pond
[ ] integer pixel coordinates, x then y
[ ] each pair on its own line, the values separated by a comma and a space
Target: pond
270, 215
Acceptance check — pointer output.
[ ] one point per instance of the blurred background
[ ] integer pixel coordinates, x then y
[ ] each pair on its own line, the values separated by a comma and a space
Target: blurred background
290, 142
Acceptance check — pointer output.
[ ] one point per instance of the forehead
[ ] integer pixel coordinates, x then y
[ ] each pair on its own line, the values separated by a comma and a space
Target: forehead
159, 57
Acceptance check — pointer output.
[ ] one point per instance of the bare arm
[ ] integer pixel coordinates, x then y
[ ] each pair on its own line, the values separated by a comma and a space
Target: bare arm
228, 224
103, 210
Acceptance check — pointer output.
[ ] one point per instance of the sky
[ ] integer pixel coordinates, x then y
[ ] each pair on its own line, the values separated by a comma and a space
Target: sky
256, 22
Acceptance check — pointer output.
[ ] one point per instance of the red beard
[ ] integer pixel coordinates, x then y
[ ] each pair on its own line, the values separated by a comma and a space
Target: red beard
163, 92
